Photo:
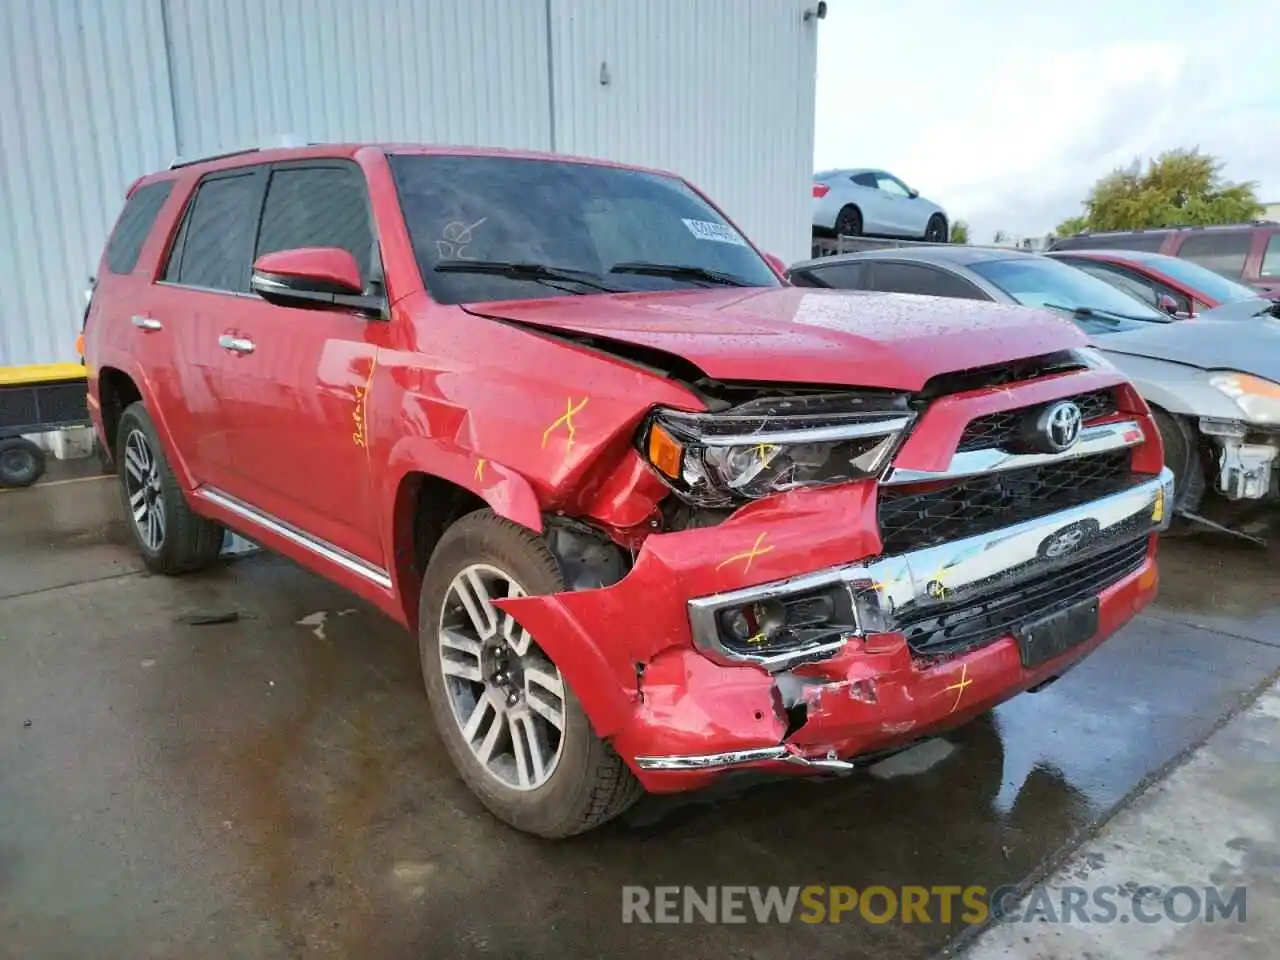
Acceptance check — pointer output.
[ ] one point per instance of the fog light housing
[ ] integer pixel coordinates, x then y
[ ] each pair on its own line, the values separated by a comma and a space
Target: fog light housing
782, 624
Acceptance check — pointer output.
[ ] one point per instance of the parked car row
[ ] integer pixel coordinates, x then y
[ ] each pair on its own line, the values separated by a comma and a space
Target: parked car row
1247, 252
1214, 387
652, 514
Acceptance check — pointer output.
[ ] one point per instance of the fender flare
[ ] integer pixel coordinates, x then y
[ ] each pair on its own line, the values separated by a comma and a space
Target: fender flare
154, 410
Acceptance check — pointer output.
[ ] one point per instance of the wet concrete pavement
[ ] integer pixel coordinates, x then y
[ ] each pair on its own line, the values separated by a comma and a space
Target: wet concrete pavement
271, 787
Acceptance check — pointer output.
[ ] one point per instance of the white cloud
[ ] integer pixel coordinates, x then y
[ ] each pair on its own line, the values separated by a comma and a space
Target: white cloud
1006, 112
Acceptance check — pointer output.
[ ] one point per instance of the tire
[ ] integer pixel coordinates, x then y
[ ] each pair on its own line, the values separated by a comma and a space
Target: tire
22, 463
587, 783
848, 222
1182, 457
935, 230
172, 538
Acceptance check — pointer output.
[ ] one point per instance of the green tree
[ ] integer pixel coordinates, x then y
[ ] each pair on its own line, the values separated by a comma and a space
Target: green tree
1178, 188
959, 232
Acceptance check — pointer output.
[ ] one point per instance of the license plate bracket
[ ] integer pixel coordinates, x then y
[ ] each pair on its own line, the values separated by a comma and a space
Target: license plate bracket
1047, 637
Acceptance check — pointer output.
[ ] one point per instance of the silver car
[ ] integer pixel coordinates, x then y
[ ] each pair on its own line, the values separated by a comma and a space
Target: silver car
1214, 387
874, 203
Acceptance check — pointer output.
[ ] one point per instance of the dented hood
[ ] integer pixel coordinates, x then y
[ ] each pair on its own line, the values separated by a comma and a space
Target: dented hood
1246, 346
802, 335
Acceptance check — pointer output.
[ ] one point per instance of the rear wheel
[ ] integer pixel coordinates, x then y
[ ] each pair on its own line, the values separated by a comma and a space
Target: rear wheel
849, 222
513, 727
22, 463
171, 537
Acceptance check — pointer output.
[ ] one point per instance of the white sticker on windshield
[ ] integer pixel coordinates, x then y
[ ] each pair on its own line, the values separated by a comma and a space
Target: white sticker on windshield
717, 232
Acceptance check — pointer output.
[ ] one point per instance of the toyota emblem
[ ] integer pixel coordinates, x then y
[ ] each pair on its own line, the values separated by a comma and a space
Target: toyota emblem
1060, 426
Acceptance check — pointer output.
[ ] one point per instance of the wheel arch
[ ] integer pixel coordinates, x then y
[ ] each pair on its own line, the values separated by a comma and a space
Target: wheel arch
430, 487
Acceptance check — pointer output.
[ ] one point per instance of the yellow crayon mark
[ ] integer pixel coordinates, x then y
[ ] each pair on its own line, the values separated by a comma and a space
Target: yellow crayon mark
565, 419
480, 468
766, 452
755, 551
360, 413
758, 638
959, 688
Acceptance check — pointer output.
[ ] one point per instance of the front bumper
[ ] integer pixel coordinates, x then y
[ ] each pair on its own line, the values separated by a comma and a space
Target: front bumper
681, 707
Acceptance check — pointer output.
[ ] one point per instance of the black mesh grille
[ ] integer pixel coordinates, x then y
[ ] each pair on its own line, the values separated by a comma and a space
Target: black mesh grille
972, 622
909, 521
1001, 429
43, 407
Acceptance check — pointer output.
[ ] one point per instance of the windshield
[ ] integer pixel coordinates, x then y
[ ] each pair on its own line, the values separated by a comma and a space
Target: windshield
1202, 278
1041, 282
575, 218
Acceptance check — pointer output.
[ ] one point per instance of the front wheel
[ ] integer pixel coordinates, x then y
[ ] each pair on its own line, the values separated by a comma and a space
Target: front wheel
936, 230
513, 727
169, 535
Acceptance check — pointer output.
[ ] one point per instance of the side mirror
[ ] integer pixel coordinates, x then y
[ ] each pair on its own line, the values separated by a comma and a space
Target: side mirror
779, 265
913, 193
1168, 304
313, 277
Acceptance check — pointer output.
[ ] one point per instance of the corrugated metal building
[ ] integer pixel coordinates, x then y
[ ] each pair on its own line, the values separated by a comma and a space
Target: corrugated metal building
94, 93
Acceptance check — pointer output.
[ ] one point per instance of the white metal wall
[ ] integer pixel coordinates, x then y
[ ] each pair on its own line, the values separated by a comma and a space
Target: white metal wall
94, 93
84, 110
719, 91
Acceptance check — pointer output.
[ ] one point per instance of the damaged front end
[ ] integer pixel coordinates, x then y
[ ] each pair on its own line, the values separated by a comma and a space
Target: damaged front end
837, 575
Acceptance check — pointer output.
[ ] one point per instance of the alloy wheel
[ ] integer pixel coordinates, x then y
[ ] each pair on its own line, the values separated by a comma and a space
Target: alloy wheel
142, 485
504, 692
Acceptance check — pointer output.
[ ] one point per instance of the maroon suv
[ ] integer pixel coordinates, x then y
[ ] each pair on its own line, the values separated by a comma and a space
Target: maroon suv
1249, 252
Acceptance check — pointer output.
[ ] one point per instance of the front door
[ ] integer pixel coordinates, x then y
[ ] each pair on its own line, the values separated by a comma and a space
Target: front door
295, 380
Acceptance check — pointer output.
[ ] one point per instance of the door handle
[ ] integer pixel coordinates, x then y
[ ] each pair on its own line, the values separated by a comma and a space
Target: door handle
146, 323
235, 344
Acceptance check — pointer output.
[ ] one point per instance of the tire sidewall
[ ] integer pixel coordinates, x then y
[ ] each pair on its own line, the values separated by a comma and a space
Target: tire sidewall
547, 810
35, 463
136, 418
854, 216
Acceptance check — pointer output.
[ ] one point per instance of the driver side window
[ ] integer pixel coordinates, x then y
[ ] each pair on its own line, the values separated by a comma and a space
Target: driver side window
891, 185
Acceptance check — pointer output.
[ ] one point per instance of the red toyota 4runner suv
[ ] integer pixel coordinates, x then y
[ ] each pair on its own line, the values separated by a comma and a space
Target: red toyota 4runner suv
652, 514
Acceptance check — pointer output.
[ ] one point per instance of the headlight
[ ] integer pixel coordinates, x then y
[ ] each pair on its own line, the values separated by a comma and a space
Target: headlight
1259, 399
770, 445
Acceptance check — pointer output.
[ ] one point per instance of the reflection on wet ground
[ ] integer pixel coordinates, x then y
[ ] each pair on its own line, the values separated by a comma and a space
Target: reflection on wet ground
272, 786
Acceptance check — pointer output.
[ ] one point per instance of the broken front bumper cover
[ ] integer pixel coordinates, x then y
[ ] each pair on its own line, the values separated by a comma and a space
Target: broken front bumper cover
899, 586
908, 703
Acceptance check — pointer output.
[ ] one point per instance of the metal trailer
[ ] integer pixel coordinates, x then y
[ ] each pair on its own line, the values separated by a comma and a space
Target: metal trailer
36, 399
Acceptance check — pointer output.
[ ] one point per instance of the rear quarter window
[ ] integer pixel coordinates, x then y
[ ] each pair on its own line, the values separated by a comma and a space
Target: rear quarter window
134, 224
1271, 258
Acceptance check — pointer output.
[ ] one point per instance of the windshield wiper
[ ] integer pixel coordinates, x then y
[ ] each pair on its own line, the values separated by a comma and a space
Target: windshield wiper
680, 271
526, 270
1096, 313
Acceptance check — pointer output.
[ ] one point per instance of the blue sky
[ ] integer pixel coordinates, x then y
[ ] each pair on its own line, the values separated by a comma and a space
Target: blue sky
1006, 112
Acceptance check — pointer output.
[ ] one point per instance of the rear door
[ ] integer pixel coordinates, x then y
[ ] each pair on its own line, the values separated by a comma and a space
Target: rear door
203, 288
297, 379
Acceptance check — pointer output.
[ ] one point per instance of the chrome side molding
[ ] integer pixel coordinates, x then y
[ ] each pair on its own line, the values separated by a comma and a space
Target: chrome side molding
1103, 438
321, 548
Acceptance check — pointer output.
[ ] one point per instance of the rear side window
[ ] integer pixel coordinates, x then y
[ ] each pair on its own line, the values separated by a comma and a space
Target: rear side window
214, 249
928, 281
839, 276
1271, 259
134, 225
317, 206
1222, 252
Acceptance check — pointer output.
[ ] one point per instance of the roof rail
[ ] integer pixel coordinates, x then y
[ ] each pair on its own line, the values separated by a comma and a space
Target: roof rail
188, 161
286, 140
